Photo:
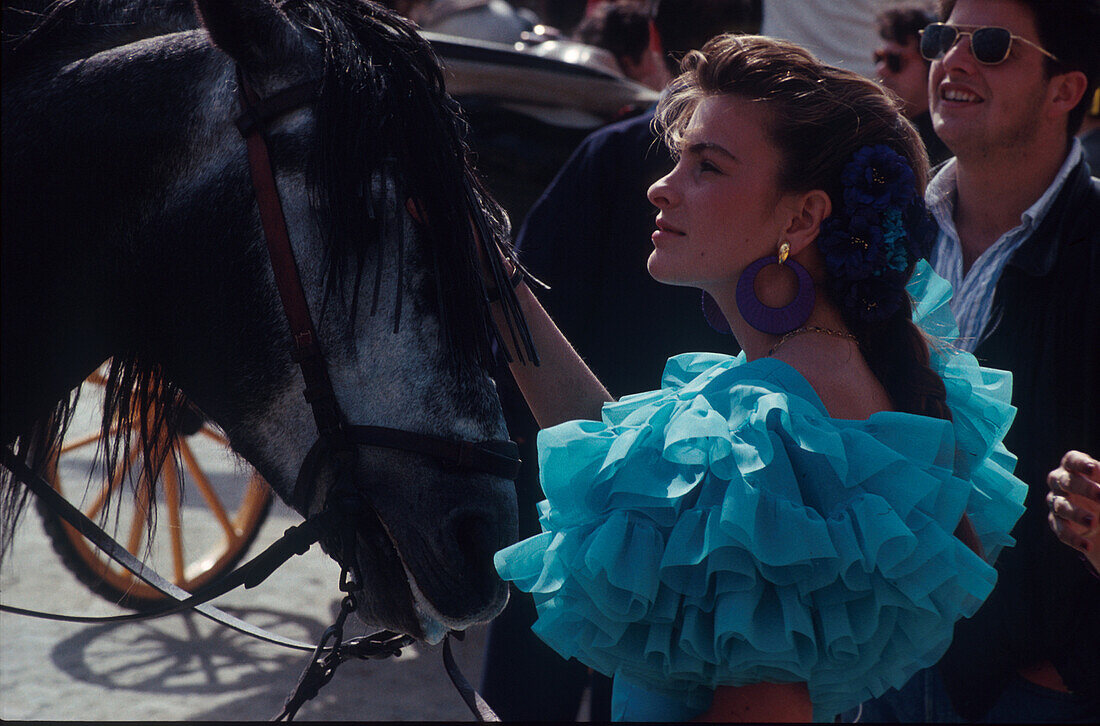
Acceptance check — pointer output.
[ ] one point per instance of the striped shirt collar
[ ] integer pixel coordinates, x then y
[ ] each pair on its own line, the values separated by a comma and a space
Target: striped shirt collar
941, 191
973, 298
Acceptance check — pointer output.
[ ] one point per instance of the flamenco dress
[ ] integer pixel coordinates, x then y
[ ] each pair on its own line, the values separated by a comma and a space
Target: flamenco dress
725, 530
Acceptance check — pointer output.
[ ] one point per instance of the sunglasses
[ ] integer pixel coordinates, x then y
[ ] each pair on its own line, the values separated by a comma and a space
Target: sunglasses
894, 61
989, 45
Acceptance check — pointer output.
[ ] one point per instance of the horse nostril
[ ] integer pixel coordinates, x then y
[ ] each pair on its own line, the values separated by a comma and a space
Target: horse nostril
476, 537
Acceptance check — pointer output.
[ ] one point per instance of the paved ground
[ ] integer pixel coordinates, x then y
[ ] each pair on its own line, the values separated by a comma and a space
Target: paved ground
187, 668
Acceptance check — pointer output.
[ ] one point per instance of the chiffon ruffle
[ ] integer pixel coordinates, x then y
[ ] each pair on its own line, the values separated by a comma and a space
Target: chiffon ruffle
724, 530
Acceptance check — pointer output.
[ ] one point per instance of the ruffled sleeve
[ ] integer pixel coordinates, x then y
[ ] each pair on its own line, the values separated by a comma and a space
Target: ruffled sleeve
979, 401
724, 530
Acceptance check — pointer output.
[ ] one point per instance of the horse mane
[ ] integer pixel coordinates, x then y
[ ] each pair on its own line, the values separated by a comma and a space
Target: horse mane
381, 97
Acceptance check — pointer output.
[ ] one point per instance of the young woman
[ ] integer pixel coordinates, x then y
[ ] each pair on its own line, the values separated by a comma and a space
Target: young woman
780, 535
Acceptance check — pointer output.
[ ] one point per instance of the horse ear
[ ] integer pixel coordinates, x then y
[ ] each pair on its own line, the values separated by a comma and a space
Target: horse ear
255, 33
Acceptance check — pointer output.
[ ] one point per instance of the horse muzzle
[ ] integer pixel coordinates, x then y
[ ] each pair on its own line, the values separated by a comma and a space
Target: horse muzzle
432, 527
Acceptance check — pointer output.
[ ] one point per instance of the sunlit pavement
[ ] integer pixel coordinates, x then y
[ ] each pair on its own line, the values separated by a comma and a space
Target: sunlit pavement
189, 668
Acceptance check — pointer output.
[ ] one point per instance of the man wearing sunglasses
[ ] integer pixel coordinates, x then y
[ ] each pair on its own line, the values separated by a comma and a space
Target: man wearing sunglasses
1019, 240
900, 67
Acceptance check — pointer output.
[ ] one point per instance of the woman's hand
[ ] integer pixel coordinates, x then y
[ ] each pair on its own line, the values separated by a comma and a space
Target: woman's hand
1074, 502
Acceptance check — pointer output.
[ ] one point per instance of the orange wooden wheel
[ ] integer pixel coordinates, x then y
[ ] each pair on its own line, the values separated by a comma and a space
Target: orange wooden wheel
201, 531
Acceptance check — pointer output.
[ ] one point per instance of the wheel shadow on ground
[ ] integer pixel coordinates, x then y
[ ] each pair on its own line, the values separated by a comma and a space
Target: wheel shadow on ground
185, 654
235, 677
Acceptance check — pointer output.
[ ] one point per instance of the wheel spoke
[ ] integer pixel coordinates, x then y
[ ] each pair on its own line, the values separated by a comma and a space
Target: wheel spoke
141, 511
133, 492
170, 481
97, 506
207, 491
85, 440
98, 377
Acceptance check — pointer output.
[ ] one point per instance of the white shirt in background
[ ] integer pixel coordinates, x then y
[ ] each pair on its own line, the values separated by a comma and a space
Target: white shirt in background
838, 32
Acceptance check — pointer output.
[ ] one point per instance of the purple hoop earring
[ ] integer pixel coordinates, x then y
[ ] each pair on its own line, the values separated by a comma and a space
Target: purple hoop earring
775, 321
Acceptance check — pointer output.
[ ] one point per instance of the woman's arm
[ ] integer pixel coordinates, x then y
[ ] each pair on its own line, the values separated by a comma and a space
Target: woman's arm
561, 388
760, 703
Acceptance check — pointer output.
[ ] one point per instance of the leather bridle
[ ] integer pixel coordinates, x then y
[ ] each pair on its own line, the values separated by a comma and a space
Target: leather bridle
337, 439
337, 443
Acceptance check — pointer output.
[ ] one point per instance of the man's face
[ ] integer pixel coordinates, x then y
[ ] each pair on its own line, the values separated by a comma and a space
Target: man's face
988, 109
901, 69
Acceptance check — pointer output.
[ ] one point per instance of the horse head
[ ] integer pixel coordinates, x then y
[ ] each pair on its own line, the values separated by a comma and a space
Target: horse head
383, 212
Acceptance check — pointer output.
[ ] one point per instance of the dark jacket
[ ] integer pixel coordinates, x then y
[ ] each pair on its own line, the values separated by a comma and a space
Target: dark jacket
1045, 329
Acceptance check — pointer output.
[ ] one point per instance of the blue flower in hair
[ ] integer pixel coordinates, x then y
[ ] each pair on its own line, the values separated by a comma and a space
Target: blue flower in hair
895, 248
877, 177
852, 245
875, 298
870, 245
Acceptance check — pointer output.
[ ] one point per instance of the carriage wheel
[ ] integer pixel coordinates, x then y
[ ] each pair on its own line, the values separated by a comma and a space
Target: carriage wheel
201, 531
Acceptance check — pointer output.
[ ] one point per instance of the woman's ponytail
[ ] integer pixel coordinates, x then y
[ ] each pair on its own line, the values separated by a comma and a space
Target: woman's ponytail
897, 352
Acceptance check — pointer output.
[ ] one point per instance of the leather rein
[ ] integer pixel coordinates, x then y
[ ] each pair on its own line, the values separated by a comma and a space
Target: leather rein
337, 441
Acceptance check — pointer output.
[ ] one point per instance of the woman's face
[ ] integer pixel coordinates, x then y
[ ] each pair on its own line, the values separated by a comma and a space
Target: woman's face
720, 206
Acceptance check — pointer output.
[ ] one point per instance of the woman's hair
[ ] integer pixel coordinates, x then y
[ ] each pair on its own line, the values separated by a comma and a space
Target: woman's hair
824, 122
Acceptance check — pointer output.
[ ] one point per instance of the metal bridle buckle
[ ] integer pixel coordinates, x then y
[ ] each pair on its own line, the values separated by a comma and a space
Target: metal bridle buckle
348, 583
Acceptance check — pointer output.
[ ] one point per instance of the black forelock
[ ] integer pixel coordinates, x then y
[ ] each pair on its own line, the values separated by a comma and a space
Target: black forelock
383, 107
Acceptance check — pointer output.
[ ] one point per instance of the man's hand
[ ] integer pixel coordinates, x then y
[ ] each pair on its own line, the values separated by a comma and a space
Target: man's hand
1074, 502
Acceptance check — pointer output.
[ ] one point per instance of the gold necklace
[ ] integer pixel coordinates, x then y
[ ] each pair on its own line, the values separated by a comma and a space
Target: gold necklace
811, 329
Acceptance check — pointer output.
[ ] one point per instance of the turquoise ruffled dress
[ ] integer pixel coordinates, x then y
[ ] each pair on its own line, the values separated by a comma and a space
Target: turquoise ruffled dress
724, 530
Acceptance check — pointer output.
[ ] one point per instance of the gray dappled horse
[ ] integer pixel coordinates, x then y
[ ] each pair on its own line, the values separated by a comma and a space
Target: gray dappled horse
130, 231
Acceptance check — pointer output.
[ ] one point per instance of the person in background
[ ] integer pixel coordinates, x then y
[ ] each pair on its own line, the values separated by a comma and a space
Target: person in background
1074, 502
901, 68
623, 28
588, 238
1019, 241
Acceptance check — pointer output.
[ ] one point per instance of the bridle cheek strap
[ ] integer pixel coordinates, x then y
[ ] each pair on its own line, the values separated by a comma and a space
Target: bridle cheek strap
337, 441
306, 351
